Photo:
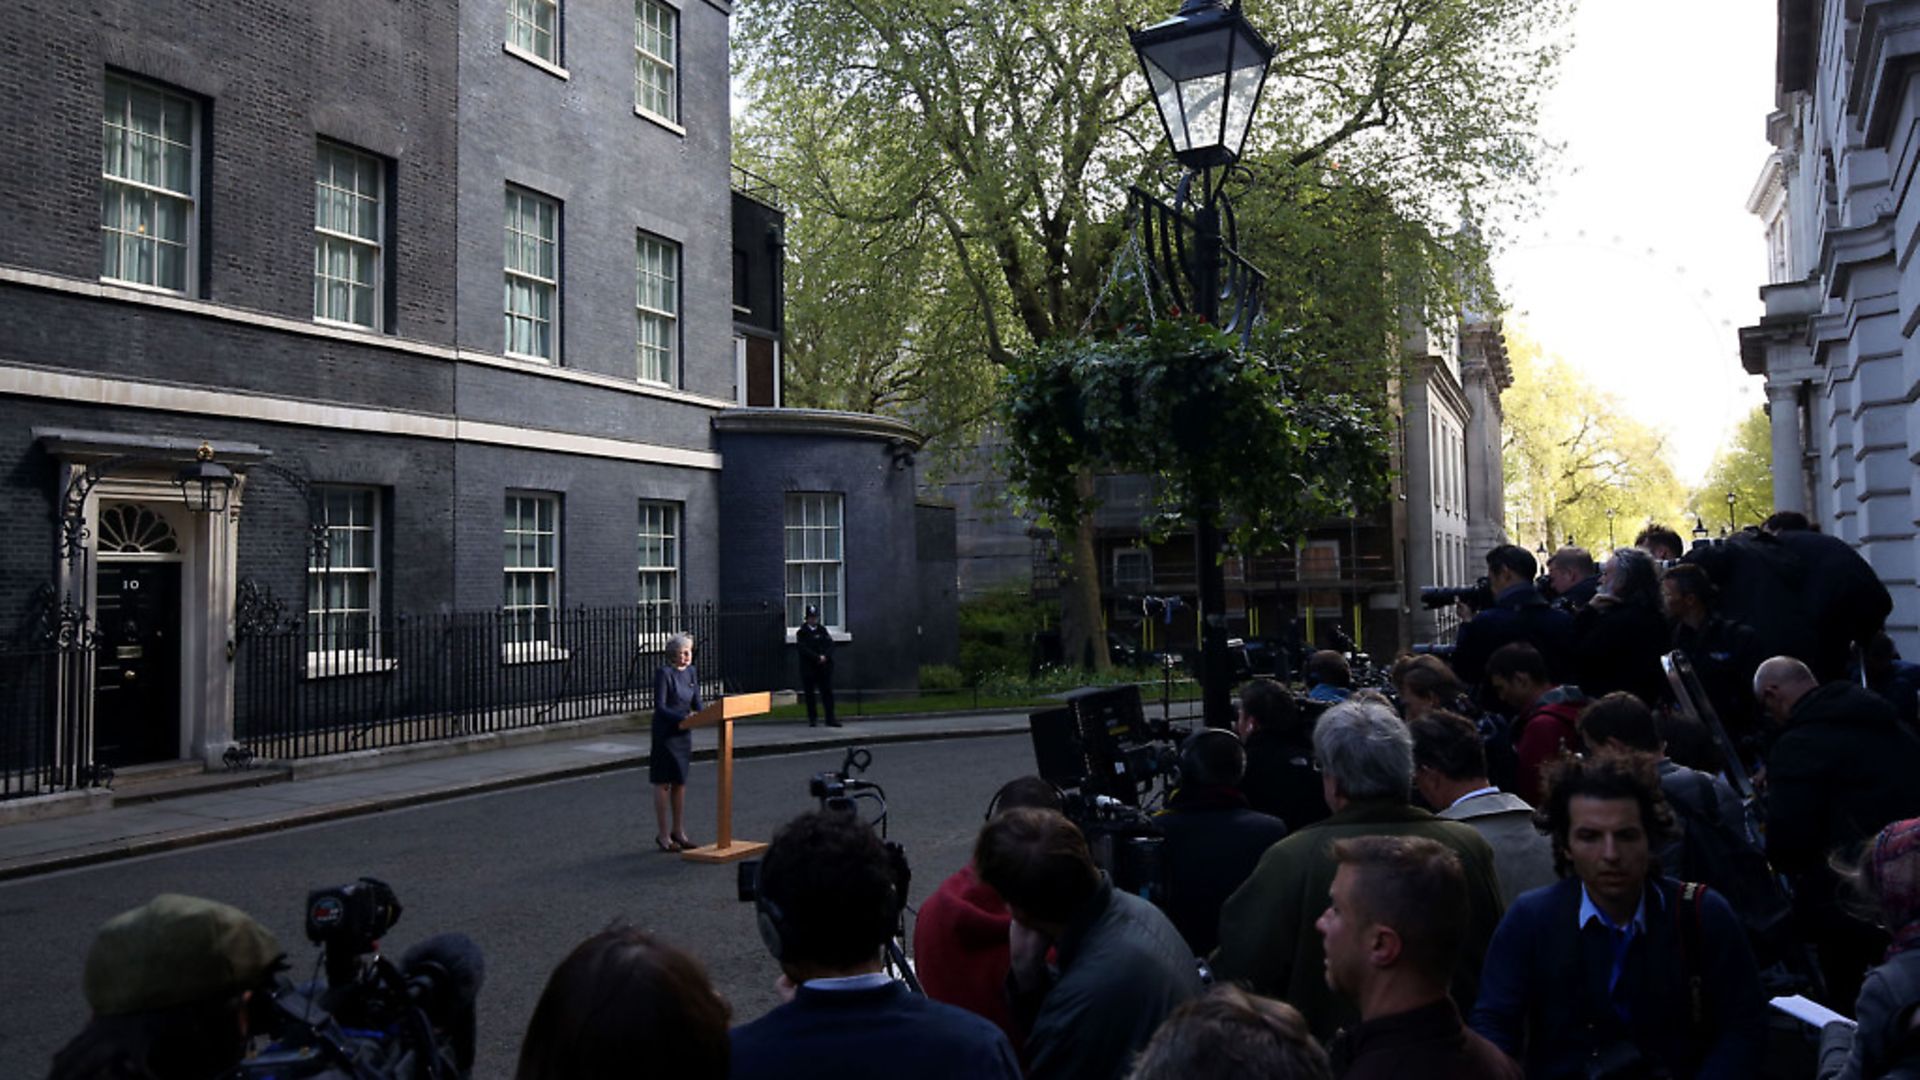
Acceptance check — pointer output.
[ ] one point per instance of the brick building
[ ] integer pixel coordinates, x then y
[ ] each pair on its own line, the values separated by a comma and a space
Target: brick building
465, 280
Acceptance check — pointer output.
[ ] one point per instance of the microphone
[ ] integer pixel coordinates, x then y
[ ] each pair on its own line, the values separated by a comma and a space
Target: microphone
443, 975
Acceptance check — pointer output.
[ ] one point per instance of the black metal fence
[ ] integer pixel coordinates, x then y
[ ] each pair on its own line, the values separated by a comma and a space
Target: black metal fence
30, 720
298, 693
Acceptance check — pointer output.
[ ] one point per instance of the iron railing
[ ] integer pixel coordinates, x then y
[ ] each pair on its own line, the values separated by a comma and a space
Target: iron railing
30, 721
301, 691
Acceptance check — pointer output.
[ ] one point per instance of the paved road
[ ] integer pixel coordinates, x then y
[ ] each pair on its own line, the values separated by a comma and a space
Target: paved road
529, 873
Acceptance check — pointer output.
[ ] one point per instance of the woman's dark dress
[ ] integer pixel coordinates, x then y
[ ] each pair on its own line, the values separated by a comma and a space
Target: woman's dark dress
676, 693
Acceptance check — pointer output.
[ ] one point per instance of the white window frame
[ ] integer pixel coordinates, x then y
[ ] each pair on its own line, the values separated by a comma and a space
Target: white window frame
331, 155
324, 656
523, 29
656, 302
659, 521
538, 642
820, 514
739, 369
649, 58
1137, 555
125, 190
515, 251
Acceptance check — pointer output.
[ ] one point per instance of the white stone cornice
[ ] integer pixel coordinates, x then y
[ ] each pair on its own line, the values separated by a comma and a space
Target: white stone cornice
74, 387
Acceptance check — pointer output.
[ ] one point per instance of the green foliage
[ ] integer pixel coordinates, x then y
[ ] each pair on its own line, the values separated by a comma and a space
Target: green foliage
954, 172
941, 677
1254, 437
1570, 454
1744, 466
996, 633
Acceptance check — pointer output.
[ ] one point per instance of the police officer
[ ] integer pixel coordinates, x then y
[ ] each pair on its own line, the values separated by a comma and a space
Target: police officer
816, 664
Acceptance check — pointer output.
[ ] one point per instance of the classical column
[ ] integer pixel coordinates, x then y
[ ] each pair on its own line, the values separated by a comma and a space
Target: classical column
1789, 452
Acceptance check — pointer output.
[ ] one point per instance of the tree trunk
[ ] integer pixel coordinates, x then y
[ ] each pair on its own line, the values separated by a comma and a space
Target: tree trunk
1083, 637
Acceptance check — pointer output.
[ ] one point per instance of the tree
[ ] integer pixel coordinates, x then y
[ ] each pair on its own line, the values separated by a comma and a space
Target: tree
1156, 403
1570, 455
1743, 466
955, 171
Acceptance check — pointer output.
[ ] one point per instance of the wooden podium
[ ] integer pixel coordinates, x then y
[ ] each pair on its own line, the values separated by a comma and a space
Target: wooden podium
721, 714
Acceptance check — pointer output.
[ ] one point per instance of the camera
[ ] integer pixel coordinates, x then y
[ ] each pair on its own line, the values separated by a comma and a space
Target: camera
1103, 753
1478, 596
843, 791
349, 920
371, 1018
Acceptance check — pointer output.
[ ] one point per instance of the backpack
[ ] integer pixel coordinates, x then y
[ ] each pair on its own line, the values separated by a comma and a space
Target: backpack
1496, 737
1732, 866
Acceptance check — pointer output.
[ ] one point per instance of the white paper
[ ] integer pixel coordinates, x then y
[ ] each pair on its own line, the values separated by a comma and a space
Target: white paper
1809, 1012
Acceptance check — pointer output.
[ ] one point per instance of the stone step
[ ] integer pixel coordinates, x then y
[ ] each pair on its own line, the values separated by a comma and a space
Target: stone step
171, 780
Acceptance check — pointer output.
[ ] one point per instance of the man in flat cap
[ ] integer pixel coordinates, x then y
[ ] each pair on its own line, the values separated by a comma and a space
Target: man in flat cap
169, 983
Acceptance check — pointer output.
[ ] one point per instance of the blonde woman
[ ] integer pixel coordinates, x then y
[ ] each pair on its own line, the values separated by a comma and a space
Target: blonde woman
676, 694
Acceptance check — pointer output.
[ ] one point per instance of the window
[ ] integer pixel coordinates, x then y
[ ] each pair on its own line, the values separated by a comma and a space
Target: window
347, 226
1320, 566
816, 573
655, 28
148, 180
1132, 569
659, 561
531, 28
656, 303
343, 592
533, 274
533, 568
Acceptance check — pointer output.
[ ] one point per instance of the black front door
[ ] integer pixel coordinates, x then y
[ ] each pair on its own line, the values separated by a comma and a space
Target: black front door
136, 688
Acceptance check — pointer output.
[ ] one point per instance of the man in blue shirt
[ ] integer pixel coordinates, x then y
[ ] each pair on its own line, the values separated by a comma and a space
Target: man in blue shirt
829, 896
1617, 971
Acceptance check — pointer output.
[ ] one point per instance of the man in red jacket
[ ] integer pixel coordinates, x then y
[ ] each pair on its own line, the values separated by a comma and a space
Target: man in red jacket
1545, 715
960, 934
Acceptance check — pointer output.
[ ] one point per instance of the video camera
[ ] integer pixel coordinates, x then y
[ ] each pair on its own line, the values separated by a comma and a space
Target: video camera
1478, 596
371, 1019
843, 791
1103, 754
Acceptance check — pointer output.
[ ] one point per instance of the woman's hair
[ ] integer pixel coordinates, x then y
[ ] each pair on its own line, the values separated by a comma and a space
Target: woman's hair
1882, 885
1635, 580
620, 999
1427, 676
678, 642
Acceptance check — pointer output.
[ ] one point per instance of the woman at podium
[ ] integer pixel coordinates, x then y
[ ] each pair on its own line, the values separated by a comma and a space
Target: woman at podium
676, 693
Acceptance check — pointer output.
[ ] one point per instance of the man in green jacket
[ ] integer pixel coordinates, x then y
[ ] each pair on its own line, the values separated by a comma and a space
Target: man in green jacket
1267, 936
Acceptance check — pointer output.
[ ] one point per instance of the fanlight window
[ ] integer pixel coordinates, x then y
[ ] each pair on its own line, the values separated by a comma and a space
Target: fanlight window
127, 529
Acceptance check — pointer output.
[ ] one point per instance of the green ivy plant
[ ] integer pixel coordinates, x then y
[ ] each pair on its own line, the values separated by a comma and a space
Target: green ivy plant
1248, 435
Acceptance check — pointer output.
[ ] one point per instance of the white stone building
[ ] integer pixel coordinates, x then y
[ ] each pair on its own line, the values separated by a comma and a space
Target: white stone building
1836, 344
1452, 482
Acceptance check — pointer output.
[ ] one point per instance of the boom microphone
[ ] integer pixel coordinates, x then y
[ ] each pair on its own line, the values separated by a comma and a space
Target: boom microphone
444, 974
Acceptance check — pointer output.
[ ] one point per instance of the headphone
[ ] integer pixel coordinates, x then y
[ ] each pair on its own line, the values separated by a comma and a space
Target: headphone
777, 930
993, 804
1190, 751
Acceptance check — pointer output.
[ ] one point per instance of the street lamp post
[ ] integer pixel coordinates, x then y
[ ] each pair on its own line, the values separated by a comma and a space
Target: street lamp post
1731, 527
1205, 66
1610, 543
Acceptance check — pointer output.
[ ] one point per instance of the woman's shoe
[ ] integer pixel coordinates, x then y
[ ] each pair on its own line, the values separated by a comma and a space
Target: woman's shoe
665, 845
684, 844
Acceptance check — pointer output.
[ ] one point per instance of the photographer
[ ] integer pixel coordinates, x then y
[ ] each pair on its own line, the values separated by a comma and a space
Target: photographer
829, 898
169, 984
1519, 613
1620, 637
1121, 966
1574, 578
1279, 779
